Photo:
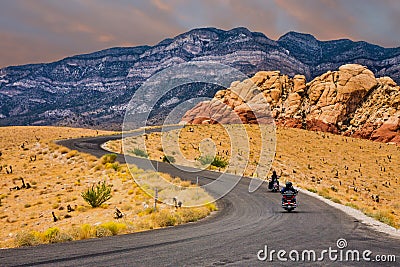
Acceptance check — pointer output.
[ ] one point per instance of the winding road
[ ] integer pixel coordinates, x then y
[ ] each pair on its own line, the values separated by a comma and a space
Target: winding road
233, 236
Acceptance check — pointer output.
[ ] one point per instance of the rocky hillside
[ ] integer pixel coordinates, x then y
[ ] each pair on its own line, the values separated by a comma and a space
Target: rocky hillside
94, 89
350, 101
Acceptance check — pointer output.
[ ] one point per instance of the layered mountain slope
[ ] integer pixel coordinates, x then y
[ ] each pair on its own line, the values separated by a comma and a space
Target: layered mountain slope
350, 100
94, 89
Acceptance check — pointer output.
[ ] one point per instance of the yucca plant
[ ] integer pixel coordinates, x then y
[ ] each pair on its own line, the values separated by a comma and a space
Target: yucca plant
95, 196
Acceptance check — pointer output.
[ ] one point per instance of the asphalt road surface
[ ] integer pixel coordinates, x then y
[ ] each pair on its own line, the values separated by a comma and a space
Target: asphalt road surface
233, 236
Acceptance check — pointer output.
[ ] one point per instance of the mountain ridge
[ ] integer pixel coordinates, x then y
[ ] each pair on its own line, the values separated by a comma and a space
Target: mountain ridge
93, 89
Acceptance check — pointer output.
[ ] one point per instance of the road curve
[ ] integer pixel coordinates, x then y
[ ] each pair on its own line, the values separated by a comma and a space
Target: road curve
245, 224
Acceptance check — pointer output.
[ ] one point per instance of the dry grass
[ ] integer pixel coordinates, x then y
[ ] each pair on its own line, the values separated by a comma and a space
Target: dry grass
189, 145
57, 177
354, 172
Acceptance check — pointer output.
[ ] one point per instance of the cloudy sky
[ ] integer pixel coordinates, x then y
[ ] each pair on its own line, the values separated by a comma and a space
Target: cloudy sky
33, 31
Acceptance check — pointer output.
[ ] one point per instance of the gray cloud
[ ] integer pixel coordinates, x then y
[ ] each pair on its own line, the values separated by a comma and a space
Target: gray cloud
45, 30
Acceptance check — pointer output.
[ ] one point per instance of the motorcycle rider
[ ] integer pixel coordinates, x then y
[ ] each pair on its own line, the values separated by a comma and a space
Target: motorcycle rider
289, 187
274, 178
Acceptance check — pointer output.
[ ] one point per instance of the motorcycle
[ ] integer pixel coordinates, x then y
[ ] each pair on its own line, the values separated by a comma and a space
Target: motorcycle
273, 186
289, 202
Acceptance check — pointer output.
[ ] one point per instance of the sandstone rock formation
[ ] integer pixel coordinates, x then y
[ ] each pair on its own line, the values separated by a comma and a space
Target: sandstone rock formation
350, 101
378, 118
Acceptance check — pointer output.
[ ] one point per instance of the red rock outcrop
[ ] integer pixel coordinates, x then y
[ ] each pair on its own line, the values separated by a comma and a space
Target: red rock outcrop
348, 101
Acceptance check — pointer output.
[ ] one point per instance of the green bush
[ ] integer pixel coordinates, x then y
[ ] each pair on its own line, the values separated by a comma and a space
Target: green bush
108, 158
219, 162
168, 159
54, 235
213, 161
205, 160
140, 153
113, 227
312, 190
95, 196
115, 166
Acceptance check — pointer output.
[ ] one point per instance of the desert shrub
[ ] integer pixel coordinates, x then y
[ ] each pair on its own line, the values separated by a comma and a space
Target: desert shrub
24, 239
219, 162
71, 154
114, 227
85, 231
185, 183
81, 208
205, 160
193, 214
126, 207
108, 158
336, 200
115, 166
54, 235
104, 205
168, 159
97, 167
63, 150
146, 212
140, 153
213, 161
324, 193
211, 206
63, 237
384, 216
143, 224
312, 190
102, 232
95, 196
163, 218
352, 205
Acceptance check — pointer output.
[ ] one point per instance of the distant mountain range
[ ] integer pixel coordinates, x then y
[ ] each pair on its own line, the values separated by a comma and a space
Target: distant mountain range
92, 90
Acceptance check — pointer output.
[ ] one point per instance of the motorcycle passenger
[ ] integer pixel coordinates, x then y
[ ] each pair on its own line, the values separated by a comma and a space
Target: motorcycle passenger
274, 178
289, 187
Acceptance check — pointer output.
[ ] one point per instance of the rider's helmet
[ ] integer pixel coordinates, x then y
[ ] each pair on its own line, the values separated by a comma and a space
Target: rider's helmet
274, 173
289, 184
